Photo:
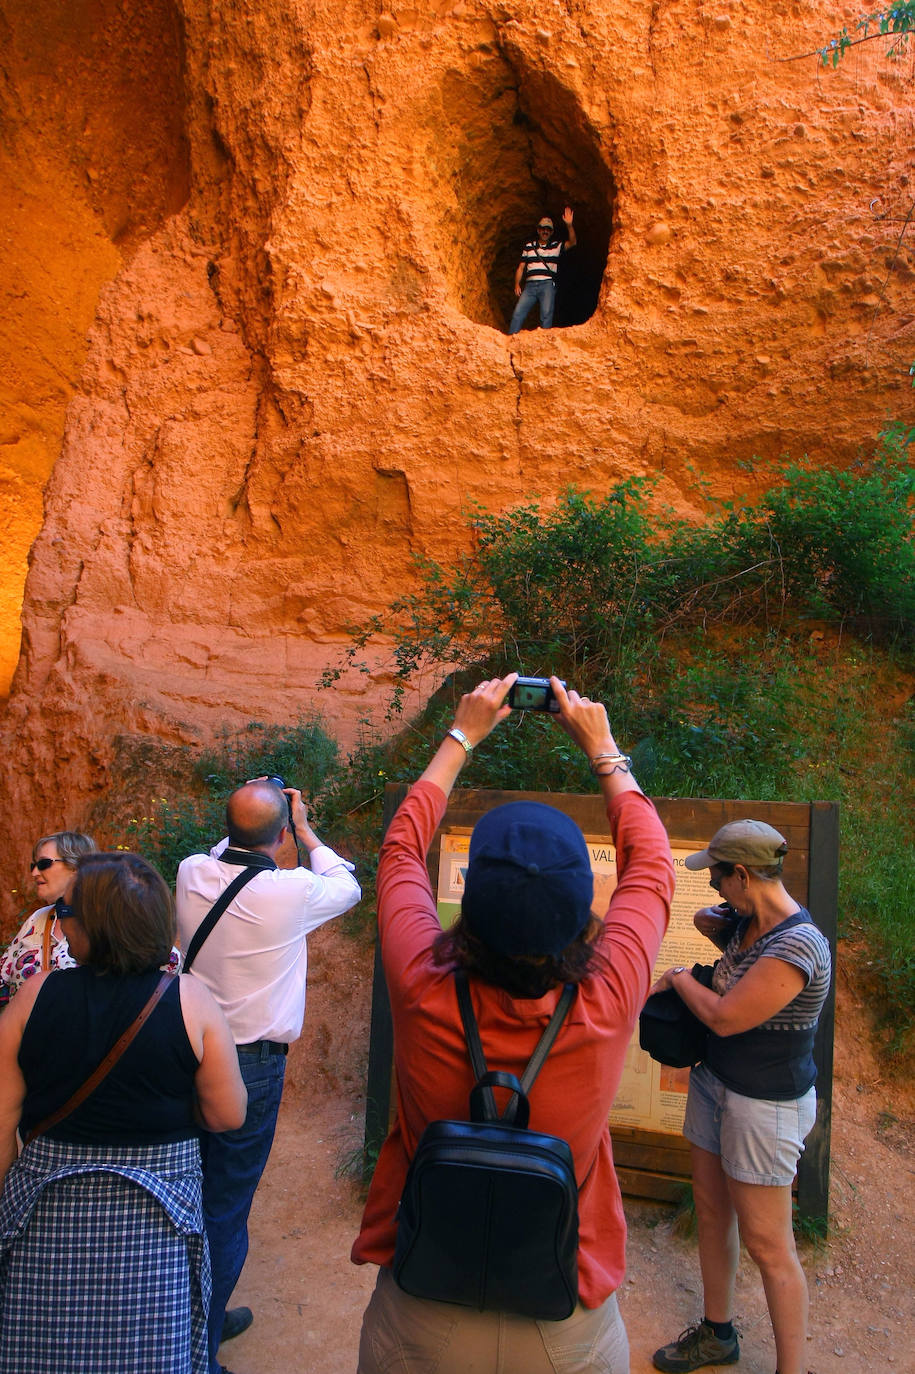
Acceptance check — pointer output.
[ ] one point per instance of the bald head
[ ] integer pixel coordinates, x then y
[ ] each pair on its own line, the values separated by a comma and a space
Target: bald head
255, 815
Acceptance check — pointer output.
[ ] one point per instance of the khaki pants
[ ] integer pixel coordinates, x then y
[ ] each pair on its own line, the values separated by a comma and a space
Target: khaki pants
405, 1335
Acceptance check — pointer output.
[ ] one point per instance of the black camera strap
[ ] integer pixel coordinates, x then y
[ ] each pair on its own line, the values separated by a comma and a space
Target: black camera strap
254, 863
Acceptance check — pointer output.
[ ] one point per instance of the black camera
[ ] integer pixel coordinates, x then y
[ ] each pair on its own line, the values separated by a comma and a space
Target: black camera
533, 694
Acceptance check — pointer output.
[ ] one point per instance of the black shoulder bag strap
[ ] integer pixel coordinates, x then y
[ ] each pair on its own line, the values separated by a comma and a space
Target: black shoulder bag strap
222, 901
551, 265
517, 1111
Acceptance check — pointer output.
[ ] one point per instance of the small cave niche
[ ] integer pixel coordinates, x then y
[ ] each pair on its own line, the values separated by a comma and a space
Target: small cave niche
503, 150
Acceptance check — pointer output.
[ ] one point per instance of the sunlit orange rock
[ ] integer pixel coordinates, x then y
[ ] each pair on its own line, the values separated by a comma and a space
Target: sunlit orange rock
291, 232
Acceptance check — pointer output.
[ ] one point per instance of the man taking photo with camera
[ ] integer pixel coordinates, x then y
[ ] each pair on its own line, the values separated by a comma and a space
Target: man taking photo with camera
244, 923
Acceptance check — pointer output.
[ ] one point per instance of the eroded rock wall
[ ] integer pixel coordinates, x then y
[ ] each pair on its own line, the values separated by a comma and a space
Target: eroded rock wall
93, 158
299, 377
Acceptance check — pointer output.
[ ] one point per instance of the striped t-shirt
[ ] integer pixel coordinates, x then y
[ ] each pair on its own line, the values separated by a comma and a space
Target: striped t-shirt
775, 1059
541, 264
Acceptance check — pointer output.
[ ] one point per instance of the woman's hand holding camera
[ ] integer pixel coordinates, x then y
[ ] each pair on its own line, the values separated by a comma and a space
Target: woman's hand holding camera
479, 712
585, 721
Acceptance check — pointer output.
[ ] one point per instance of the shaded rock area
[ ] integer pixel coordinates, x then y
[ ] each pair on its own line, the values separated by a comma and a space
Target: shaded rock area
291, 230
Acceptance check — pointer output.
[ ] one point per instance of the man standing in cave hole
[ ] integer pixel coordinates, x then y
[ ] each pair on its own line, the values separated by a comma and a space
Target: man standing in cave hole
537, 271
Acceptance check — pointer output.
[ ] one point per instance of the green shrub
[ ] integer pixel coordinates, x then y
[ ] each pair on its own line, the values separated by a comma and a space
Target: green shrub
174, 829
697, 638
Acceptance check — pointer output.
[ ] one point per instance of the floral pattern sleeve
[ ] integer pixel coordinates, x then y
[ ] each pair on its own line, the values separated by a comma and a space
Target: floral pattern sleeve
23, 955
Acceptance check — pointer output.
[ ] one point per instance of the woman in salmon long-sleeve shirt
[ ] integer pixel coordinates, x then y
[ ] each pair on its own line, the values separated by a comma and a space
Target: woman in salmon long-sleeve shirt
525, 929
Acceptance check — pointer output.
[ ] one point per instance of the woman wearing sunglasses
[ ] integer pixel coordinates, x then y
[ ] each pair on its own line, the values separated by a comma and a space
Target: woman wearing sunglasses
751, 1101
40, 944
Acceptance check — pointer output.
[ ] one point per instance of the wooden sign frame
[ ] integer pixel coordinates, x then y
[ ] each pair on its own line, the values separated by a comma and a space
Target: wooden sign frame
651, 1164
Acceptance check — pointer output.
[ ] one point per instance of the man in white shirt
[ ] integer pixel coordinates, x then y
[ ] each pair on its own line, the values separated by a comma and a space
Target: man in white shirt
254, 961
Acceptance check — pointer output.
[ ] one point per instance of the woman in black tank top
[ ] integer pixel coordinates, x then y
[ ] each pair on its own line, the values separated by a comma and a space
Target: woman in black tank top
101, 1225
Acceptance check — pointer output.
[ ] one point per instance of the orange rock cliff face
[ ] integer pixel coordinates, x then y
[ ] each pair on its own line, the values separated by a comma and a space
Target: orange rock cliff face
291, 231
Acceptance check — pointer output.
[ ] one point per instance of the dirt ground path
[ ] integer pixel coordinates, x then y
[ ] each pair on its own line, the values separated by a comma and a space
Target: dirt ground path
308, 1298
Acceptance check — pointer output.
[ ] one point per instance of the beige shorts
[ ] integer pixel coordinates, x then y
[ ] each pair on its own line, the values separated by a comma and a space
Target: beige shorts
406, 1335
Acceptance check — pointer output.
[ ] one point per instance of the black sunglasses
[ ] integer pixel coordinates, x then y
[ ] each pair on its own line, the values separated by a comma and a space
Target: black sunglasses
44, 864
715, 879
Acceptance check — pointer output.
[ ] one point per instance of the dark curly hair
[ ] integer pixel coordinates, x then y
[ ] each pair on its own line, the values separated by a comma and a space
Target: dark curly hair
523, 976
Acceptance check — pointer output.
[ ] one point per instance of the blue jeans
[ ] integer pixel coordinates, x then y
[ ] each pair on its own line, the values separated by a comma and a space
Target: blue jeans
233, 1162
542, 291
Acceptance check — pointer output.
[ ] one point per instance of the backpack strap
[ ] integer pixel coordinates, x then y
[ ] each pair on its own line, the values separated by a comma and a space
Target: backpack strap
517, 1110
545, 1043
484, 1101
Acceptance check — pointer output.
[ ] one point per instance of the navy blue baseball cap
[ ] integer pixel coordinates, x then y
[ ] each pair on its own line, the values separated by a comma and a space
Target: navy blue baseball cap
529, 885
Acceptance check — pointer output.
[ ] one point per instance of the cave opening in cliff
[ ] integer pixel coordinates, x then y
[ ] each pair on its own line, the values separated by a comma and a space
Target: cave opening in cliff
511, 146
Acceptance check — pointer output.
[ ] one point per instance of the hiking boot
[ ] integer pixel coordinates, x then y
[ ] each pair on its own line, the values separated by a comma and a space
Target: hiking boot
696, 1346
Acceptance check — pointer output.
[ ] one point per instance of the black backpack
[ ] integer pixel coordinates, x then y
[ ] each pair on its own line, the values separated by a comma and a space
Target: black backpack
488, 1217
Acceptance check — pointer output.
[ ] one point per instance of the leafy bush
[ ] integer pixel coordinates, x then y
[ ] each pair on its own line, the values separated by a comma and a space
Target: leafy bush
750, 656
303, 754
698, 639
174, 829
593, 588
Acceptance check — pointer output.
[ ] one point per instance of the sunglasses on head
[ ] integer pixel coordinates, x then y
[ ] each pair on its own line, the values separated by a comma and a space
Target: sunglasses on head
44, 864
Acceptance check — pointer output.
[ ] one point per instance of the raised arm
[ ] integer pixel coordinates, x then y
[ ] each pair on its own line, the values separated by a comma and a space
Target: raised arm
477, 715
585, 722
307, 836
570, 227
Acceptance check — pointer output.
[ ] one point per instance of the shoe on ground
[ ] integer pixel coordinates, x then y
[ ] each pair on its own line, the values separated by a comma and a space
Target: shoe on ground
236, 1320
695, 1347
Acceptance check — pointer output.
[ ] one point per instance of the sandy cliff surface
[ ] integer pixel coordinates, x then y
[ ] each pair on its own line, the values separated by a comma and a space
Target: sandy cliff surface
291, 230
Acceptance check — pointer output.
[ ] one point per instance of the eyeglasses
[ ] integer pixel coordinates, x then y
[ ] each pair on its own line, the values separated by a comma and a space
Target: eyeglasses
715, 879
544, 226
44, 864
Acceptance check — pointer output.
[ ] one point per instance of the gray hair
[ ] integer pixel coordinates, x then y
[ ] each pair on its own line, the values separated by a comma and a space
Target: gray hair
71, 845
769, 873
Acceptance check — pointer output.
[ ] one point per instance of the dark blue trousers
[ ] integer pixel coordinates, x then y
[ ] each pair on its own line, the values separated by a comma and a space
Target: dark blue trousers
233, 1162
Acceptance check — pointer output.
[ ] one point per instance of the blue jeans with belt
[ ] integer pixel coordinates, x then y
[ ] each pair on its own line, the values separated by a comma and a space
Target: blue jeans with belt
233, 1162
534, 291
